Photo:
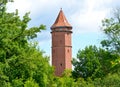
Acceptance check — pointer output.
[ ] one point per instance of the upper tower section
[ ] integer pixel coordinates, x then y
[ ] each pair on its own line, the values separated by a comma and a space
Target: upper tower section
61, 22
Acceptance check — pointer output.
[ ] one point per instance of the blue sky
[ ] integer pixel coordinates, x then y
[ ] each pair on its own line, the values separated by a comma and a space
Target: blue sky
84, 15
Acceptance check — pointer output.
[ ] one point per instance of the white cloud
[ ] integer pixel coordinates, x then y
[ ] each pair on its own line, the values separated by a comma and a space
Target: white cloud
22, 5
35, 7
88, 21
89, 18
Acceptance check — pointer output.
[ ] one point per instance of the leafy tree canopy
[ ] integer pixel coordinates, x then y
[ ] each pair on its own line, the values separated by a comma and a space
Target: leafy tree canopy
111, 28
21, 62
96, 62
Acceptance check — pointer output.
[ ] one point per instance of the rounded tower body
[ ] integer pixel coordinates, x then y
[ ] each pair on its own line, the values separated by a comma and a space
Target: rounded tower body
61, 44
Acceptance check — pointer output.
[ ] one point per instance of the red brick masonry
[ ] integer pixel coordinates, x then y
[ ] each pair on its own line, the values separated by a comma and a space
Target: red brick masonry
61, 44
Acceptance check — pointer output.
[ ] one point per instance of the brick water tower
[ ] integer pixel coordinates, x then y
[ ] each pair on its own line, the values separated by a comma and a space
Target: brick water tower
61, 44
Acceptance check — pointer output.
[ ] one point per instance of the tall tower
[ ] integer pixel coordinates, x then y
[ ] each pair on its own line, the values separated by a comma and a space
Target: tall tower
61, 44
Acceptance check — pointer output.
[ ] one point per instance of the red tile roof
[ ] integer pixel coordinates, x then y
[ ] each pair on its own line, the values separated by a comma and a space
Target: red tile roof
61, 21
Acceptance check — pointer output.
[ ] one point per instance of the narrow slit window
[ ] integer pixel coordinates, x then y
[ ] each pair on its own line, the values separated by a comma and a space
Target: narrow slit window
61, 64
68, 50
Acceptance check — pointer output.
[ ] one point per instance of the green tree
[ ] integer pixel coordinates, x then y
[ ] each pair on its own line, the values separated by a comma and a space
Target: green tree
87, 63
20, 59
64, 81
30, 83
111, 80
111, 28
93, 62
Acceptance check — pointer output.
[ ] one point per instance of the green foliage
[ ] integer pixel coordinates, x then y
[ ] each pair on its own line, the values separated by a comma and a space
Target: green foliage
82, 83
111, 27
95, 63
19, 59
17, 83
87, 63
64, 81
111, 80
30, 83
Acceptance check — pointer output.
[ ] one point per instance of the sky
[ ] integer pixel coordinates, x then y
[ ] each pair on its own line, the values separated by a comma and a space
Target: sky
85, 16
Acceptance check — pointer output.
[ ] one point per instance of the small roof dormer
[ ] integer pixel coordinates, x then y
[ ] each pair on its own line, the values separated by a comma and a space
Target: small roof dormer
61, 21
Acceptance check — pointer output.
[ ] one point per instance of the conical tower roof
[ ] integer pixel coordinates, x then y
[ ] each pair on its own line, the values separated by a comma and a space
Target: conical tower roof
61, 21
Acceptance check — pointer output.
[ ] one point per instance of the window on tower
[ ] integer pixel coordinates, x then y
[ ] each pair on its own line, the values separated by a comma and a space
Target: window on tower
61, 64
68, 50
